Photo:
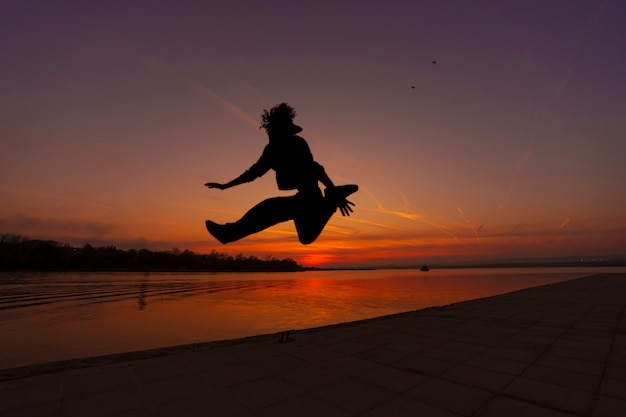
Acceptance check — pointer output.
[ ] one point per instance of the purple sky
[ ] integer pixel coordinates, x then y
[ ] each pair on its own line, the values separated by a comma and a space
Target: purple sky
114, 113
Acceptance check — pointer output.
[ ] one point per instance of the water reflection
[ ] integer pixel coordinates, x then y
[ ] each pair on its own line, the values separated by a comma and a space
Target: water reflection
142, 296
53, 316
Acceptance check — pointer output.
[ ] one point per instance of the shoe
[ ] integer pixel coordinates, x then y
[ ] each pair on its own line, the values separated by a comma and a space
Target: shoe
217, 231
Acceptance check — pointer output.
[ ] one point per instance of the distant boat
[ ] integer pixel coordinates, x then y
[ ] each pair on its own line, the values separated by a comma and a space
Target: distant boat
425, 268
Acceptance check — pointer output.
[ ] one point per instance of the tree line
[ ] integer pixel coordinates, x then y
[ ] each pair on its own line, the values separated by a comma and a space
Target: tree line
22, 253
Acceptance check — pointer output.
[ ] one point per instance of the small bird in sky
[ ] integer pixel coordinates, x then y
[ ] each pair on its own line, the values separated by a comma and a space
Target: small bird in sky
434, 61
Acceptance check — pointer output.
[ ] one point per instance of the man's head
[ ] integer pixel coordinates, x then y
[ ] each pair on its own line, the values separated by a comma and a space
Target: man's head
278, 121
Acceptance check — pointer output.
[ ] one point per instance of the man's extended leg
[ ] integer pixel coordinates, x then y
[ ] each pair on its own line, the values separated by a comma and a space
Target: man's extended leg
265, 214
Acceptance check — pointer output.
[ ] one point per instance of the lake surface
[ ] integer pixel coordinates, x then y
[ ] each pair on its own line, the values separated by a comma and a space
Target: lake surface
55, 316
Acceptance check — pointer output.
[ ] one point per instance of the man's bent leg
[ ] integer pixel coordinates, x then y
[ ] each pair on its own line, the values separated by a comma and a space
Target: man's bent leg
311, 220
315, 211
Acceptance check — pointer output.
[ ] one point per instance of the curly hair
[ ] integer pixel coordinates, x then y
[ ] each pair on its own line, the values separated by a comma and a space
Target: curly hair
278, 115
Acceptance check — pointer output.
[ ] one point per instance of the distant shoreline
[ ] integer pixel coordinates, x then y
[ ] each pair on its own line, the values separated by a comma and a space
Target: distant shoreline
599, 264
514, 265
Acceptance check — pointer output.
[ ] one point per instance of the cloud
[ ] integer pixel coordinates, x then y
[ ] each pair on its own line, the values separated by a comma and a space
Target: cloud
39, 226
409, 214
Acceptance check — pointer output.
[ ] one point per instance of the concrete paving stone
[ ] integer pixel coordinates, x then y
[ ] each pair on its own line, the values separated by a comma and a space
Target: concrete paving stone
278, 364
306, 339
427, 340
382, 355
27, 393
407, 347
340, 333
90, 380
436, 321
540, 342
311, 377
531, 317
227, 376
579, 354
563, 377
365, 331
159, 368
585, 367
610, 407
139, 412
318, 354
478, 377
521, 352
254, 352
508, 407
393, 379
50, 409
262, 392
457, 398
545, 330
404, 406
610, 309
42, 379
600, 345
206, 360
448, 355
616, 372
493, 363
103, 404
418, 321
618, 357
613, 388
423, 365
163, 390
551, 395
304, 405
443, 336
503, 330
214, 404
350, 348
355, 395
480, 324
464, 346
351, 365
484, 339
603, 325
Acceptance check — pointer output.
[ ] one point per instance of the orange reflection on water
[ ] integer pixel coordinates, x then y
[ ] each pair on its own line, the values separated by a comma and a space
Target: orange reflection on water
47, 317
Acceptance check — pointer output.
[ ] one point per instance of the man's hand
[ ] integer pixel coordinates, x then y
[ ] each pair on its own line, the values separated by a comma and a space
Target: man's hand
215, 185
345, 208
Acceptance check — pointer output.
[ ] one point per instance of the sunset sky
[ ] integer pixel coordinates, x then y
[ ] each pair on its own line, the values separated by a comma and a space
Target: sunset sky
476, 130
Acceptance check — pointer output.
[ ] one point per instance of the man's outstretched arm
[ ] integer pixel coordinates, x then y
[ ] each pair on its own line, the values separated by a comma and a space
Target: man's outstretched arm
243, 178
255, 171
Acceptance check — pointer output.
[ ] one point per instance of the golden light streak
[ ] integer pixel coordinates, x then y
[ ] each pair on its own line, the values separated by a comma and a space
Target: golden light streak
470, 225
196, 86
520, 167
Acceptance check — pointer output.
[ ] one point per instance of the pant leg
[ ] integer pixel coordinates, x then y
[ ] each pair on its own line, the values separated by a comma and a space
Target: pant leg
265, 214
311, 216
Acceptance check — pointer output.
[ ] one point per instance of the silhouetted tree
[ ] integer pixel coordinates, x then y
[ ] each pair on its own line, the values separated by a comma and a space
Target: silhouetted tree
18, 252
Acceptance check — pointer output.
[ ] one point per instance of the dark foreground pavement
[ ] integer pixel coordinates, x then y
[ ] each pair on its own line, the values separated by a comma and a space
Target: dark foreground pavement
557, 350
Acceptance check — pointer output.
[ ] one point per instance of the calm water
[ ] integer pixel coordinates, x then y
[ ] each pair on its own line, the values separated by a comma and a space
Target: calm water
53, 316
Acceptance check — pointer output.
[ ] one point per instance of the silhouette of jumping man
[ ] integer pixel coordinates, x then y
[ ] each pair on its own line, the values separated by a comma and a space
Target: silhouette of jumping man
290, 157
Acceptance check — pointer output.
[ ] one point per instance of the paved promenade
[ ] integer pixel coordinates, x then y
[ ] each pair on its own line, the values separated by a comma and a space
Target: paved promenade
557, 350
